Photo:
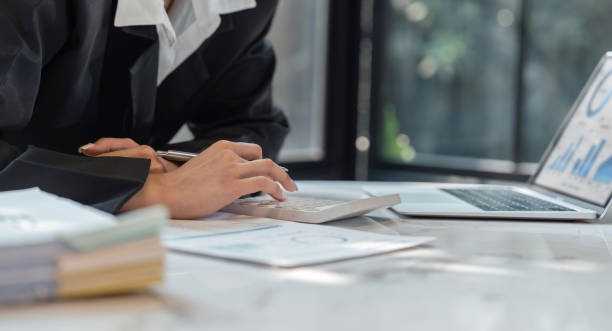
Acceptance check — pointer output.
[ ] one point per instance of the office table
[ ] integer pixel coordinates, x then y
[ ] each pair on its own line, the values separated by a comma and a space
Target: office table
477, 275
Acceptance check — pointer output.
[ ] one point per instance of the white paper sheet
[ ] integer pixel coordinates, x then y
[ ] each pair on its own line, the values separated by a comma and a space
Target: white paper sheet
280, 243
32, 216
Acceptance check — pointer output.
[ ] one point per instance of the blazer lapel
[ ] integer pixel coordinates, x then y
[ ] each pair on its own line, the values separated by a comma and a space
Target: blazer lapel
143, 82
175, 93
179, 88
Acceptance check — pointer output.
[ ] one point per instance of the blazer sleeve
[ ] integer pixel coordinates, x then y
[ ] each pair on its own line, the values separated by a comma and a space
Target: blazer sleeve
31, 33
238, 103
102, 182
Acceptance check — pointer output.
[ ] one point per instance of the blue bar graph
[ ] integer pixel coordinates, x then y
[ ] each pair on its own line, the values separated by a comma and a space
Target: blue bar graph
561, 163
583, 167
603, 175
576, 166
594, 157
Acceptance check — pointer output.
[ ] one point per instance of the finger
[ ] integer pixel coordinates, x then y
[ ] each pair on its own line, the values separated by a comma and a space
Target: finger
167, 165
264, 184
244, 150
141, 152
106, 145
157, 168
270, 169
229, 156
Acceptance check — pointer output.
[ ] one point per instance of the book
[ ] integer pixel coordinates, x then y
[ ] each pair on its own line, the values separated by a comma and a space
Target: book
52, 247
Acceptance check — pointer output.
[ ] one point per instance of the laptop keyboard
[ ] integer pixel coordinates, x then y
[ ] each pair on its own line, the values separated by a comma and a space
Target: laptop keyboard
503, 200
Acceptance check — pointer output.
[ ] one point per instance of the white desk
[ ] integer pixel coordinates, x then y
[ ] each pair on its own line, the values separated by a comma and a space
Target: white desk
477, 275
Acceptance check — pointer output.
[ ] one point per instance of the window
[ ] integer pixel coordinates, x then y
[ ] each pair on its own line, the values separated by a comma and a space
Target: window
477, 84
299, 35
565, 40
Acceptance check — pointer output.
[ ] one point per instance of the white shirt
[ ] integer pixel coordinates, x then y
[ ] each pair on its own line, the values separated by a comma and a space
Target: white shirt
181, 31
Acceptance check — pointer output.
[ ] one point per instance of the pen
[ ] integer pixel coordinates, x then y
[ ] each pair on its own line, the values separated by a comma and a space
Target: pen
176, 155
184, 156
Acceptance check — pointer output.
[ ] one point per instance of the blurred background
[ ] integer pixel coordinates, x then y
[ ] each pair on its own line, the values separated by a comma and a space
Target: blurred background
430, 89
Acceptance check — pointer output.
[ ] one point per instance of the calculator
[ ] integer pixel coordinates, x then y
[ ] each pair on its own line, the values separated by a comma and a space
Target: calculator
307, 209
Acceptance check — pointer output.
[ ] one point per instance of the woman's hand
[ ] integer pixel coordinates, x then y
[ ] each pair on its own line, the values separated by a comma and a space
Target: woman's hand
125, 147
221, 174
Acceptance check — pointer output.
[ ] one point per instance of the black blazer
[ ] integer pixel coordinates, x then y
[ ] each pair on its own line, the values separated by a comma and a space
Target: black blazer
69, 77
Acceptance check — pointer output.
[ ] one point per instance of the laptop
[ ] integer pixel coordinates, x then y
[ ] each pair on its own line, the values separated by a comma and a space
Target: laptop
573, 180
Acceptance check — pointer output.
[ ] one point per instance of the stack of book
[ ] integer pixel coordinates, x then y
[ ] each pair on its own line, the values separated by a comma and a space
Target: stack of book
52, 247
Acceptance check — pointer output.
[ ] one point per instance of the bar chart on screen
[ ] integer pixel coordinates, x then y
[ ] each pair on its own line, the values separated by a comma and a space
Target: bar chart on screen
562, 161
582, 167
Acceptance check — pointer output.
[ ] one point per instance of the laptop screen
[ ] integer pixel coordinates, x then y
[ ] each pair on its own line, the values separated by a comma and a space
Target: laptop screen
580, 162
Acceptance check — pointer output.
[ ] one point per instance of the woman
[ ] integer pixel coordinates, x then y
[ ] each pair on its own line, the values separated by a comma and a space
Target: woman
74, 72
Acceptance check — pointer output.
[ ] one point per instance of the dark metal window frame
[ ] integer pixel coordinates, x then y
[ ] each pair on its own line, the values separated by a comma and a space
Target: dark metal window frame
341, 97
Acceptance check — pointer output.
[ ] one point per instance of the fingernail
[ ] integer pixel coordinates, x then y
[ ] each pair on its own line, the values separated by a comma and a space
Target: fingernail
283, 195
295, 187
85, 147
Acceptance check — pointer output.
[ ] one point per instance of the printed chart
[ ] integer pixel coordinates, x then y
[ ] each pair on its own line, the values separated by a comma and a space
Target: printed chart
289, 244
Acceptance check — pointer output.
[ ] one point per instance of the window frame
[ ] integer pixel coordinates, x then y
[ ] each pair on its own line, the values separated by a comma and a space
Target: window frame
340, 100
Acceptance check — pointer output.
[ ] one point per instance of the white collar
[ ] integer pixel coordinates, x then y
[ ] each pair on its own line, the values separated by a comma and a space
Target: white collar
143, 12
196, 20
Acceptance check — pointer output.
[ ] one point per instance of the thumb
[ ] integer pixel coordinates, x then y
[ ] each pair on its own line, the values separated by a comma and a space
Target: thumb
106, 145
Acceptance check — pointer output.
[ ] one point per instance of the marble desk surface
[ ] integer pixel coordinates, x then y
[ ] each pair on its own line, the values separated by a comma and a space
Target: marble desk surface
477, 275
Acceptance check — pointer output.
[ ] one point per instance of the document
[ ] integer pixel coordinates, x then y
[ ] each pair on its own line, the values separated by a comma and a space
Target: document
31, 216
281, 243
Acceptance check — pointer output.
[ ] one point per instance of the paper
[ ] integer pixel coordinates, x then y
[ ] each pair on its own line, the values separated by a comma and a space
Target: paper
32, 216
51, 246
284, 244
